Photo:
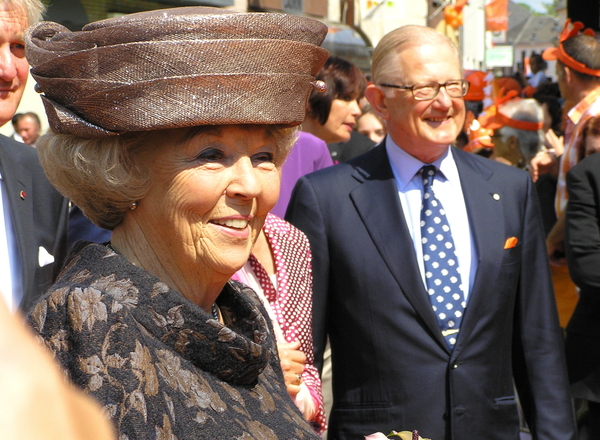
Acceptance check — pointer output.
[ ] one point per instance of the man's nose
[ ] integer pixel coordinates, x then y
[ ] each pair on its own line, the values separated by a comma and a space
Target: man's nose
8, 68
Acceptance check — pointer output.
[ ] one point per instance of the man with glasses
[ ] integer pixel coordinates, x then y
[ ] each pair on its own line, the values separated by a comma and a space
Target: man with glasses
430, 272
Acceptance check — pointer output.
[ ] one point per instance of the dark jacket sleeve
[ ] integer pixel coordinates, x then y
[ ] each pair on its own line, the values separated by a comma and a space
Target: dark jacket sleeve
304, 213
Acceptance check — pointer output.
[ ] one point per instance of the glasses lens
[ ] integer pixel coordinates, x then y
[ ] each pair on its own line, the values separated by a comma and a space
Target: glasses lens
425, 90
456, 89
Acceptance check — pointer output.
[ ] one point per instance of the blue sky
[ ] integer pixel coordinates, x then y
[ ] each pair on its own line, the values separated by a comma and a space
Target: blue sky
536, 5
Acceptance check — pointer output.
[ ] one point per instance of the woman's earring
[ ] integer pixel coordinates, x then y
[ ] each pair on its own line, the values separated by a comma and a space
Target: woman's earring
133, 206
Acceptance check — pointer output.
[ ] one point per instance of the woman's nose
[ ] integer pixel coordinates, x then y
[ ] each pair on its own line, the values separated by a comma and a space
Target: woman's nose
244, 180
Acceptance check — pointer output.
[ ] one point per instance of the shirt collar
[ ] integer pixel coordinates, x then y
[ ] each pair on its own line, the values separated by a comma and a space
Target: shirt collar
406, 166
582, 106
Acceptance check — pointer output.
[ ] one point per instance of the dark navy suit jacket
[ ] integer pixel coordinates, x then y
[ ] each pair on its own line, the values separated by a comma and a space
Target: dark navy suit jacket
392, 369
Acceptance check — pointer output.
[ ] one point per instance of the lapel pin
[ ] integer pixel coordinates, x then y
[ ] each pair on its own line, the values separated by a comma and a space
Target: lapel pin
23, 195
496, 196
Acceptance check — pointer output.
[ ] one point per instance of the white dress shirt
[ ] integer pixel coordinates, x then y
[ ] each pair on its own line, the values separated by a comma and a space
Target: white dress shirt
448, 191
10, 262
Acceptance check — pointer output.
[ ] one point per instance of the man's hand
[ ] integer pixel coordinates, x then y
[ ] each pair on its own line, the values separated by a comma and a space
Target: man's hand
542, 163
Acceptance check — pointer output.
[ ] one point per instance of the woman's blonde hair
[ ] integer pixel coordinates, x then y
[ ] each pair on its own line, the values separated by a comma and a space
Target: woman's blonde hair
104, 176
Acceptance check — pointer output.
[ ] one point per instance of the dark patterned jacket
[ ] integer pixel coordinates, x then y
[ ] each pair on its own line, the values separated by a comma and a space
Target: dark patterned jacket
158, 364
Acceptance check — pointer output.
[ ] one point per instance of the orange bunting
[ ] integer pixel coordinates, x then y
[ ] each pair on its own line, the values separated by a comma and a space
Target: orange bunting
453, 16
496, 15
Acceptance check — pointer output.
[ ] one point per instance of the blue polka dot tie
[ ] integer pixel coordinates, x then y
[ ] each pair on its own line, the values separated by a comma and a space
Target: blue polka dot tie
440, 262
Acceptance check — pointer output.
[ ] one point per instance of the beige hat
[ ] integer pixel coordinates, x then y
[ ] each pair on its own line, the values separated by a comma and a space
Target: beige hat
175, 68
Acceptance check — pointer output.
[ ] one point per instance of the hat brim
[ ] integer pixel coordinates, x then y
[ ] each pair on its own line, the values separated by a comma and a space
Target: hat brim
490, 121
550, 54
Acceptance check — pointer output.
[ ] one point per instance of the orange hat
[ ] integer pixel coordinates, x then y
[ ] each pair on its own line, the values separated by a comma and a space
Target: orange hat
476, 80
507, 83
528, 91
479, 138
558, 53
492, 118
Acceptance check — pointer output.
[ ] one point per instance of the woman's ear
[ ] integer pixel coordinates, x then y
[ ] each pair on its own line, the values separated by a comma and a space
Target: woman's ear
376, 96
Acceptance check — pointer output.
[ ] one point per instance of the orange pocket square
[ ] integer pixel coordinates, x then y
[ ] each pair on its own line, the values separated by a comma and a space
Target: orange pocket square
511, 242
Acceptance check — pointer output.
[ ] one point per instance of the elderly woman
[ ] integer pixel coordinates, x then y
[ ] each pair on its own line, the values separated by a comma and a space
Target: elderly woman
170, 128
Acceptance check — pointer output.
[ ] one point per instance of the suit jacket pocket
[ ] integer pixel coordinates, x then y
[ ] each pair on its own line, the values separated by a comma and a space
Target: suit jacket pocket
501, 402
512, 255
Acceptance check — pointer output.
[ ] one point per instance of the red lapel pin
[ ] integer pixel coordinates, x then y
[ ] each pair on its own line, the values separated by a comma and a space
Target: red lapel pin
23, 195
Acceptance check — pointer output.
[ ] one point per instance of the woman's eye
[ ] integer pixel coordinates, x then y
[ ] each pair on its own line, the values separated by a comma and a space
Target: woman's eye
263, 157
212, 154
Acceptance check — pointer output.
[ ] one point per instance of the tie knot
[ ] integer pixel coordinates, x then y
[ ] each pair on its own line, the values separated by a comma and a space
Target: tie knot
428, 173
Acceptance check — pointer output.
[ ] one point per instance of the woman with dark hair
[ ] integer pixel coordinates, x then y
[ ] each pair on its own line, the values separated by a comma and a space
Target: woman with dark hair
332, 115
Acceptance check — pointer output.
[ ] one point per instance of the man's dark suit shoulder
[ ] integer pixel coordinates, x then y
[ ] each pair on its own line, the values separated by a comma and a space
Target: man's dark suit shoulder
39, 213
376, 163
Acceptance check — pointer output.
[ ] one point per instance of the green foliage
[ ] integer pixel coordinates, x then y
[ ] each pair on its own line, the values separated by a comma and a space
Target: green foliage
550, 8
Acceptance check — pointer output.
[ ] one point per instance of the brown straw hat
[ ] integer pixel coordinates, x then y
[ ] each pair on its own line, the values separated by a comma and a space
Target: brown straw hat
176, 68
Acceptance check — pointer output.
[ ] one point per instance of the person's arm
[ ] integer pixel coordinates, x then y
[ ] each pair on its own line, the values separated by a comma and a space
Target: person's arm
542, 163
539, 368
36, 402
304, 213
555, 241
582, 227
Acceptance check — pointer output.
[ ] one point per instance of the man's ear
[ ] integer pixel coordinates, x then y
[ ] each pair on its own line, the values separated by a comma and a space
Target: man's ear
376, 96
568, 75
513, 143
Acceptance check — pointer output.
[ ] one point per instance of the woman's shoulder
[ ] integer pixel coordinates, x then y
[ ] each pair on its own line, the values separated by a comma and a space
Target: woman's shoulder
89, 294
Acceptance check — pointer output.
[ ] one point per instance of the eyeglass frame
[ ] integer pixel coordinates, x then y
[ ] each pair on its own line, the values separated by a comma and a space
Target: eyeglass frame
463, 82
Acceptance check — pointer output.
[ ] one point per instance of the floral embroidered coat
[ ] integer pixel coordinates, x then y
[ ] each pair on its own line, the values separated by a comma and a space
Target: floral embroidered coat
158, 364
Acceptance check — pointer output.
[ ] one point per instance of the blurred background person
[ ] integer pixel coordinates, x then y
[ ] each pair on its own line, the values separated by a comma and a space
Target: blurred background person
29, 127
331, 116
476, 94
582, 249
518, 134
590, 138
157, 331
371, 125
537, 66
578, 73
308, 154
15, 135
548, 95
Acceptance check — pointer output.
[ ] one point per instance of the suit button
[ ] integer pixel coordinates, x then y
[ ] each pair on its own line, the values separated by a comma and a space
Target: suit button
454, 366
459, 411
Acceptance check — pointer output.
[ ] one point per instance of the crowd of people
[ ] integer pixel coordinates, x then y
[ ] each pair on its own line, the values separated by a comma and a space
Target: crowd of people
273, 245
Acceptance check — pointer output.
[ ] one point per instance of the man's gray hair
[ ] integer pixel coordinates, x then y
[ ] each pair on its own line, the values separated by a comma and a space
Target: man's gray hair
35, 9
393, 42
528, 110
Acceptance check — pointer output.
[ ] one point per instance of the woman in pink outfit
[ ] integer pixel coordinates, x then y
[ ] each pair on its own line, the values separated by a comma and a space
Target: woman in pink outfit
279, 271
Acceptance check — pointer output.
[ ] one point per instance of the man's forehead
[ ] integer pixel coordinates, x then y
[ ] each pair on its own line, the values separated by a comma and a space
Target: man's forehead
416, 56
13, 20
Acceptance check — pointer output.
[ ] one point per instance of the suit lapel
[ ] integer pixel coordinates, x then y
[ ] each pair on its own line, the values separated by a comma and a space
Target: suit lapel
484, 209
383, 218
18, 183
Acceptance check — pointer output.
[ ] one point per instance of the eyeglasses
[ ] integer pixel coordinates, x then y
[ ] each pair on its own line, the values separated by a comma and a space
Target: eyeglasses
456, 88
